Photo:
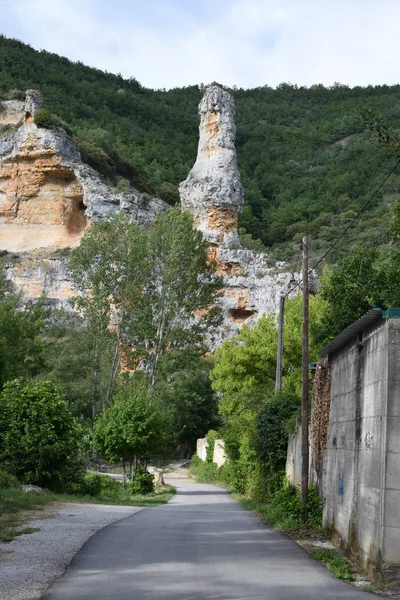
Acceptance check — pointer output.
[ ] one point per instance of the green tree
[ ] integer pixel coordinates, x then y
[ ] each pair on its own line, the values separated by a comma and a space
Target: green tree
244, 374
40, 440
187, 393
69, 342
160, 283
132, 428
348, 290
21, 342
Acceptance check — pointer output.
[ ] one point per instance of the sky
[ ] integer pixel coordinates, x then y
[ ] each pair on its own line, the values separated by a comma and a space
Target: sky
244, 43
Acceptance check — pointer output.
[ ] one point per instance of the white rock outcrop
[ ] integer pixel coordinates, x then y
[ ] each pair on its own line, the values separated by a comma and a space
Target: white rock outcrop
213, 194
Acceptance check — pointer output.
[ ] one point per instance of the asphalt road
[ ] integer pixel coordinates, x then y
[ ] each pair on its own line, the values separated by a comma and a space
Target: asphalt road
202, 545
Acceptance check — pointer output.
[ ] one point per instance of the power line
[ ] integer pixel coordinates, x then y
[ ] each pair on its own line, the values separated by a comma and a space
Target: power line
348, 226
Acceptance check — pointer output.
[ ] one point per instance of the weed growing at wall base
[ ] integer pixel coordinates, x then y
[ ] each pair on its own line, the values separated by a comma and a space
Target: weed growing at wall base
335, 562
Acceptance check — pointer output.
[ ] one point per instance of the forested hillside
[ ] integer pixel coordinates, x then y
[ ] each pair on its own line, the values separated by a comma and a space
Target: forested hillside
306, 161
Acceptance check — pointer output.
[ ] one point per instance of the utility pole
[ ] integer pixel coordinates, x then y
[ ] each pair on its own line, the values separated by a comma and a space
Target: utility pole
304, 398
279, 357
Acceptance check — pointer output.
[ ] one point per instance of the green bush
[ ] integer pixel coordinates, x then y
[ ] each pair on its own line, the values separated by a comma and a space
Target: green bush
39, 438
212, 437
7, 481
286, 511
94, 484
143, 482
96, 157
337, 564
272, 434
44, 119
16, 94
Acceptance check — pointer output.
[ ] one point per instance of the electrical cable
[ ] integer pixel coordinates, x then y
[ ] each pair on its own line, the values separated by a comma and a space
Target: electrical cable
348, 226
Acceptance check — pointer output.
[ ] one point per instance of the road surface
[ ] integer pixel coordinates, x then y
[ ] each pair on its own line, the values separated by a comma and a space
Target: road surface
202, 545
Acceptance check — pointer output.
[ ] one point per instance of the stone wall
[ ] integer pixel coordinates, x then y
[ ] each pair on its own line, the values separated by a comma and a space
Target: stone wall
359, 478
201, 448
219, 456
293, 458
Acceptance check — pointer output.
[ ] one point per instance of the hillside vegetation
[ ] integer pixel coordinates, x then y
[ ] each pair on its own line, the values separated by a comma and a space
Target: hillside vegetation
306, 161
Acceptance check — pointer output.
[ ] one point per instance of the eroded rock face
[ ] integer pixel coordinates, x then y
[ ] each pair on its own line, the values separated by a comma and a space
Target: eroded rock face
12, 112
42, 272
47, 199
41, 199
48, 196
213, 192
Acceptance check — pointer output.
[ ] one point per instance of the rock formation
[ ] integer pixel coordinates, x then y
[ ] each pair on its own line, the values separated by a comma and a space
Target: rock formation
213, 193
48, 197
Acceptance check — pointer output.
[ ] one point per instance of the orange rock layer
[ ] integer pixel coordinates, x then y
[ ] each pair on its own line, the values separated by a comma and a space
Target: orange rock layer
41, 201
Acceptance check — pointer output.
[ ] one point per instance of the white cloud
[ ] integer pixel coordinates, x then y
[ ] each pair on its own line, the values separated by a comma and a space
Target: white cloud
243, 42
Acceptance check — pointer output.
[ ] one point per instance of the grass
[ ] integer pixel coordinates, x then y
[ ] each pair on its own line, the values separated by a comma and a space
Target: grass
335, 562
14, 504
124, 498
17, 506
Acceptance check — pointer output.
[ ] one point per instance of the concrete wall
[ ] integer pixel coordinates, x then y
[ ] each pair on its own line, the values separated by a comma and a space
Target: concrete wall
360, 478
293, 460
201, 448
219, 456
391, 508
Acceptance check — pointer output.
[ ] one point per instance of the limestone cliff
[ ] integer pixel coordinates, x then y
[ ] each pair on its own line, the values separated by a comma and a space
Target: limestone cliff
48, 197
213, 194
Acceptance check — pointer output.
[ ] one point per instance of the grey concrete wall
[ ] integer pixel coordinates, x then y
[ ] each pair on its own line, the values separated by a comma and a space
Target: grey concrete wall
201, 448
360, 480
391, 511
293, 459
219, 457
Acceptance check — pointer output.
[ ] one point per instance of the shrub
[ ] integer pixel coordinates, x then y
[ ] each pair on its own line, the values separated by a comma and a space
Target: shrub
39, 438
168, 192
212, 437
272, 423
96, 157
16, 95
43, 119
94, 484
143, 482
7, 481
286, 511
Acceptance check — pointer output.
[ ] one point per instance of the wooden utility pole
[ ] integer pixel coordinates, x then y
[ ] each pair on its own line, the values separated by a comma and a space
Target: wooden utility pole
279, 357
304, 398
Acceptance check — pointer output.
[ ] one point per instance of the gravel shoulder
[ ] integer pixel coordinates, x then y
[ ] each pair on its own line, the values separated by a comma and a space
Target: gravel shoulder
30, 563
